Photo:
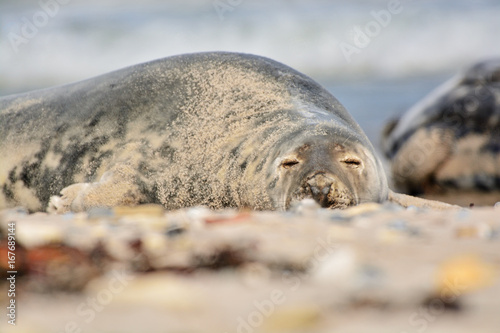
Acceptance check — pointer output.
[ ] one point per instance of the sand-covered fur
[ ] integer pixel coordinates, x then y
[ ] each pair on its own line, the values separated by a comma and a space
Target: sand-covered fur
214, 129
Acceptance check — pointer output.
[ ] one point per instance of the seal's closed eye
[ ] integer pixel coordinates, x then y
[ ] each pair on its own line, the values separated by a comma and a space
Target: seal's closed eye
289, 163
352, 162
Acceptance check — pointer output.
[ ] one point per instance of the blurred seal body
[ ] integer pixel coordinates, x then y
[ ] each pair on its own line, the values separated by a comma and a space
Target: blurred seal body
214, 129
451, 139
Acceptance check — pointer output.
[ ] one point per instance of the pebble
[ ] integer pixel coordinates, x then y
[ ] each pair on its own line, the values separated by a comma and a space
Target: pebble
476, 230
370, 276
390, 235
495, 233
484, 231
339, 217
235, 217
154, 243
469, 272
363, 209
398, 225
197, 216
392, 207
412, 209
463, 214
254, 274
305, 207
175, 230
403, 226
150, 210
18, 211
99, 213
339, 267
36, 234
156, 290
297, 318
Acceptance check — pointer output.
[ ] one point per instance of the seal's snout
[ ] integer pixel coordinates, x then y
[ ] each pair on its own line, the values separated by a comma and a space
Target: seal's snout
320, 186
327, 190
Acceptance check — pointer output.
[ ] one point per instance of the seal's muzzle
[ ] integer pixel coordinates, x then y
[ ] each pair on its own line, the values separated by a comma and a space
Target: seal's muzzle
326, 190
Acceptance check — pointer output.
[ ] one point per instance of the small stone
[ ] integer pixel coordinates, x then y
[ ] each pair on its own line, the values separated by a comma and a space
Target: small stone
70, 216
154, 242
398, 225
59, 267
390, 235
495, 233
463, 274
305, 207
19, 211
363, 209
467, 232
231, 218
370, 276
297, 318
156, 290
98, 213
37, 234
195, 217
150, 210
392, 207
254, 274
175, 230
402, 226
412, 208
339, 267
484, 231
463, 214
338, 217
199, 213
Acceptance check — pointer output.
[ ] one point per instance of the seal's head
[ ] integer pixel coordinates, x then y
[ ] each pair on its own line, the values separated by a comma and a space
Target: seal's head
335, 173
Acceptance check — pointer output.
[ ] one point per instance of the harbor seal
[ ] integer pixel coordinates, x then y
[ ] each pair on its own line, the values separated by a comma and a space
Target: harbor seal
215, 129
451, 139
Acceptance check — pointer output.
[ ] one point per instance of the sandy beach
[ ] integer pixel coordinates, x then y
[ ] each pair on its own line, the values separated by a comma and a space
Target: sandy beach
370, 268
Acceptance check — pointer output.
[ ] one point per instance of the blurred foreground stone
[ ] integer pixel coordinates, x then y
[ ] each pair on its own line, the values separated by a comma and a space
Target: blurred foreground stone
370, 268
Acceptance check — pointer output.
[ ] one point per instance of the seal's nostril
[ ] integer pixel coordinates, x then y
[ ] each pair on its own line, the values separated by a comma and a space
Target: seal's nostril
326, 189
314, 190
320, 186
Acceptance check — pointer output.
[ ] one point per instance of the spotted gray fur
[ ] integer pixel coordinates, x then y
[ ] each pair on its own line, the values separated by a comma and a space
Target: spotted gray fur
451, 139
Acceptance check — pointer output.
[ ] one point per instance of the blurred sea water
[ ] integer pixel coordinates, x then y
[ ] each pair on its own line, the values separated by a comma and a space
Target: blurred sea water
398, 56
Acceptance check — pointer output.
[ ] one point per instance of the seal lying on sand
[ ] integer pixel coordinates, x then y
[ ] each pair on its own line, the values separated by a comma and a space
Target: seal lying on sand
214, 129
451, 139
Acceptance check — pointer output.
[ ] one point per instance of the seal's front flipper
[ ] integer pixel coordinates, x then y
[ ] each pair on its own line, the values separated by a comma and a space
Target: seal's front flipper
117, 187
407, 200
